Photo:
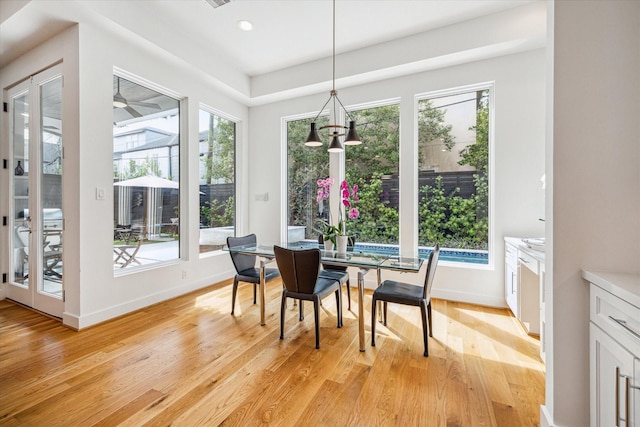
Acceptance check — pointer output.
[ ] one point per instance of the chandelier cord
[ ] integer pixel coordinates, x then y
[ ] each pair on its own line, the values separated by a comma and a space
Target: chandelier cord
334, 92
334, 47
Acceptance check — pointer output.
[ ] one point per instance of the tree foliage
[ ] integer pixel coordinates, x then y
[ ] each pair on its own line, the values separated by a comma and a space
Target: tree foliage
219, 160
148, 167
449, 219
218, 213
305, 166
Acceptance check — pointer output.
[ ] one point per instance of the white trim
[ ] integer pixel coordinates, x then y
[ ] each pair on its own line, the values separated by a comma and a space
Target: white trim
545, 418
211, 110
284, 172
99, 316
490, 86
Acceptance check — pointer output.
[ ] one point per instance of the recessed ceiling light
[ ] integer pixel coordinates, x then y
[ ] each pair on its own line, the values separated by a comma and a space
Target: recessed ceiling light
245, 25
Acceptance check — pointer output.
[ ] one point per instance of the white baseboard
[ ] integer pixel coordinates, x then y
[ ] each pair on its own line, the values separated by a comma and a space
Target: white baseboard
471, 298
84, 321
468, 297
545, 417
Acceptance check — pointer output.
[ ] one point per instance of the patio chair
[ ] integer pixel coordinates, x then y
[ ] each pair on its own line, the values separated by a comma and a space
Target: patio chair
126, 253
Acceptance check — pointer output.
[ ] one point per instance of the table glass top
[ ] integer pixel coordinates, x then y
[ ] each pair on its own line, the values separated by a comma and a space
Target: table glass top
356, 258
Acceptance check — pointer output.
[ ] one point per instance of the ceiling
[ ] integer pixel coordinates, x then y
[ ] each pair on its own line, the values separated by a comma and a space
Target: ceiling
290, 32
286, 33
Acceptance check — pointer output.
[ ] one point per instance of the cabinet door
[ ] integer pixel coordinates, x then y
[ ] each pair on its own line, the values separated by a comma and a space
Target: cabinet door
511, 288
511, 278
612, 392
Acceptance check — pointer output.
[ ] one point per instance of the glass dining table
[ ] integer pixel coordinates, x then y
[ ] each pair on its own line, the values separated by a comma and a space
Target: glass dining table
364, 260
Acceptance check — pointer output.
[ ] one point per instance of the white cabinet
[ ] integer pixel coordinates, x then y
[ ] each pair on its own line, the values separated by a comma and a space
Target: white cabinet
524, 286
511, 278
614, 347
611, 372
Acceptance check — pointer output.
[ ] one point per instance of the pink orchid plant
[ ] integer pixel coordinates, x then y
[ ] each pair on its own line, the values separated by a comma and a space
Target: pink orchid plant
349, 196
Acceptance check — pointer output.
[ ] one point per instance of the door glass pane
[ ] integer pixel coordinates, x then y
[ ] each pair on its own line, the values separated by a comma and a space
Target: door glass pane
216, 180
146, 172
51, 187
21, 189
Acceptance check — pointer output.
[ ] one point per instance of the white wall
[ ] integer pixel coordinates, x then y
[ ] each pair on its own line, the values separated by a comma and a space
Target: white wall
518, 200
90, 54
595, 181
101, 294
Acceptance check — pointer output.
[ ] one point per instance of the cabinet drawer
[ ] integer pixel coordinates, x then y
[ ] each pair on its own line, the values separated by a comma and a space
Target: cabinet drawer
528, 261
511, 254
616, 317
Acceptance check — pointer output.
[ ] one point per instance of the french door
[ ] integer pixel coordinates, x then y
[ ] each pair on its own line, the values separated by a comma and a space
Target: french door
37, 222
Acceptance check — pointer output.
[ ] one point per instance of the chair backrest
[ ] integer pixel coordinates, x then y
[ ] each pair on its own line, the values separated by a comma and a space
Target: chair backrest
431, 271
298, 268
242, 262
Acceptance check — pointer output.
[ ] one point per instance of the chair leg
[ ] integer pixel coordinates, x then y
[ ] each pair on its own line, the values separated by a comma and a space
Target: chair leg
429, 319
301, 310
316, 313
233, 295
255, 286
374, 305
384, 310
339, 307
348, 295
425, 327
283, 305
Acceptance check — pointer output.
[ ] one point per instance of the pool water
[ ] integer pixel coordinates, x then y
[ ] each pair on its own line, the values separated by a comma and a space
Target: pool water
450, 255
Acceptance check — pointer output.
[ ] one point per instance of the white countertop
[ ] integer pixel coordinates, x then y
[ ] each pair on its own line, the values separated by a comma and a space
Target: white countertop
623, 285
522, 246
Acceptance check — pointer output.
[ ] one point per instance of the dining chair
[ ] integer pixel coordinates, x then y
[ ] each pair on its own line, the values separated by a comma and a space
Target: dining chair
337, 271
246, 270
408, 294
300, 270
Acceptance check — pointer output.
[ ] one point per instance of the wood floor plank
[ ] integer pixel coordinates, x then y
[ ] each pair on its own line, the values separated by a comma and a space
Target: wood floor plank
187, 361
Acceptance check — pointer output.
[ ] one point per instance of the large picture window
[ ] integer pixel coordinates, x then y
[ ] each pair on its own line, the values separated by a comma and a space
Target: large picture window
305, 166
453, 187
217, 138
146, 175
373, 167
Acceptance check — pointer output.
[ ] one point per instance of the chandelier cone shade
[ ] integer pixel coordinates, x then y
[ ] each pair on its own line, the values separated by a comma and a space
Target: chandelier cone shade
336, 145
313, 140
352, 136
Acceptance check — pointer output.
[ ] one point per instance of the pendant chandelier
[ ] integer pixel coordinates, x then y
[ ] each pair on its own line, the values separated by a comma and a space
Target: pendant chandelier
335, 130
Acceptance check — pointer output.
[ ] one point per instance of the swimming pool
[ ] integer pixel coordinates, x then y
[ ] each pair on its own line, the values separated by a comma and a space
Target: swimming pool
469, 256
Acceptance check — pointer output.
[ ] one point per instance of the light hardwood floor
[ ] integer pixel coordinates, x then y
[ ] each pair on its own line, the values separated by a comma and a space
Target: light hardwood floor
188, 362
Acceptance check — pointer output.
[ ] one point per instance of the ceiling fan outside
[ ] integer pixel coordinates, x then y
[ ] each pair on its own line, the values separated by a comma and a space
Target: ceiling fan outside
120, 101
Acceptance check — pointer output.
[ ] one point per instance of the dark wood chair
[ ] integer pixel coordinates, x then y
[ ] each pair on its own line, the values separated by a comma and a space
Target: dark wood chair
246, 269
300, 270
408, 294
337, 271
